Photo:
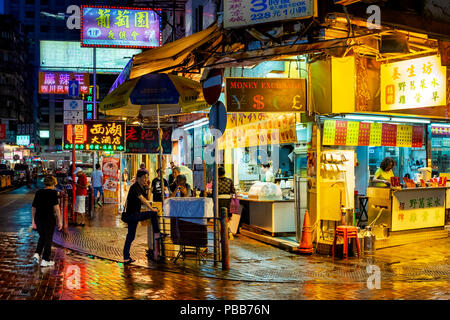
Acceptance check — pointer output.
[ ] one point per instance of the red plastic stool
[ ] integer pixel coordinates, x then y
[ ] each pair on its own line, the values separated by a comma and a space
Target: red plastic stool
346, 232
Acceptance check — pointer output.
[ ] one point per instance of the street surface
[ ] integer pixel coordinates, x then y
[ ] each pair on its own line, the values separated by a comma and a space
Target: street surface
416, 271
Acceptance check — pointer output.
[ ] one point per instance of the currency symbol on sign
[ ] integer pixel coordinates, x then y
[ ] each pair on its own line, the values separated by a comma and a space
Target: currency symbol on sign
259, 104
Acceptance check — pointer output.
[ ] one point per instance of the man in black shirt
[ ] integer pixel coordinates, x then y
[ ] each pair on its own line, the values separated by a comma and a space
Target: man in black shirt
135, 199
156, 187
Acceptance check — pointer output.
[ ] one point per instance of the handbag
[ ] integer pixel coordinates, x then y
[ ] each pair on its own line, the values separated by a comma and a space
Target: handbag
125, 215
234, 205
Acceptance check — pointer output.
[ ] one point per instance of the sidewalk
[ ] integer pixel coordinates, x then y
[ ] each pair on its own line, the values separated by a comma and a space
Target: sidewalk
251, 260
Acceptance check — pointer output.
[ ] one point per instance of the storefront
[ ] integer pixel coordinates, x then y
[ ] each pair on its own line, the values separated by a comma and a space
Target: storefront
348, 147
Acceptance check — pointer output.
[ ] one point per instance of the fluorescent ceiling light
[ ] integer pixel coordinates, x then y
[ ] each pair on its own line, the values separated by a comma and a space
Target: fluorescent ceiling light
409, 120
366, 118
446, 125
195, 124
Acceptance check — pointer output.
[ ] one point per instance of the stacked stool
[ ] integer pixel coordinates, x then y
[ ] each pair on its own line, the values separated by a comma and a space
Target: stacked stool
346, 232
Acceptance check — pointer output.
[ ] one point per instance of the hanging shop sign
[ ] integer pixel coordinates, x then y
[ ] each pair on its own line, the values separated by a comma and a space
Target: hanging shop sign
96, 136
353, 133
415, 83
90, 110
265, 95
418, 209
239, 13
23, 140
110, 170
58, 82
25, 128
275, 130
2, 131
145, 140
120, 27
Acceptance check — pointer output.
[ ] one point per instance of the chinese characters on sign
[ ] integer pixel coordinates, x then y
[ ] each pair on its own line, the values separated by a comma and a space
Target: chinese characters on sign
352, 133
239, 13
120, 27
89, 109
416, 209
413, 83
96, 136
141, 140
58, 82
251, 130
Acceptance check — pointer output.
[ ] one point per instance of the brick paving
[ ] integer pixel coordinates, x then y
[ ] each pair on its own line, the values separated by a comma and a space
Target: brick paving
258, 271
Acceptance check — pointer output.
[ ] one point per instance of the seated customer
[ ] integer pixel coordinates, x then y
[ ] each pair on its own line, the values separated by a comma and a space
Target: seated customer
180, 188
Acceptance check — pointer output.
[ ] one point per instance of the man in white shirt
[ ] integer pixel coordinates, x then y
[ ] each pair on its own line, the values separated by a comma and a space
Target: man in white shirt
97, 184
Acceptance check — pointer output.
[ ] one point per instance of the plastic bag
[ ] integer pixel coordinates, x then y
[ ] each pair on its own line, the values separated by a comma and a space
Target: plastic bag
234, 205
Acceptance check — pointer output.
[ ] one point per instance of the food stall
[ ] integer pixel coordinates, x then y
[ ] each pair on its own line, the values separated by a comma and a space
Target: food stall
260, 145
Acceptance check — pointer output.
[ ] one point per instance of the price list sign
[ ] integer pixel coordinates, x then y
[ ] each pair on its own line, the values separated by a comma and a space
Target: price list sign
341, 133
375, 134
364, 134
329, 129
352, 133
417, 137
389, 135
404, 136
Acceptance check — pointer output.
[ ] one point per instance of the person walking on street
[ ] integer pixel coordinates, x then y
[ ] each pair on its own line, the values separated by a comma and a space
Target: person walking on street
156, 187
80, 199
46, 215
97, 184
135, 199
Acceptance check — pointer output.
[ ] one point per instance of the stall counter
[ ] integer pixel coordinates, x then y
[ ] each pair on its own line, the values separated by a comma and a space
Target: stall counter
273, 216
407, 209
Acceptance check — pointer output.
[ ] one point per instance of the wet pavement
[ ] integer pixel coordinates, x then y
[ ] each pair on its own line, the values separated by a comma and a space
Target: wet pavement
257, 270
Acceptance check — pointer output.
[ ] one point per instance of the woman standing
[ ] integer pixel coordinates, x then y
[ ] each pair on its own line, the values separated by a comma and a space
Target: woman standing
383, 175
45, 213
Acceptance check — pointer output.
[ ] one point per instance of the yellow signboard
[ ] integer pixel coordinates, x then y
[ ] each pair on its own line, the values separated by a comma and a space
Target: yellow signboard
416, 209
415, 83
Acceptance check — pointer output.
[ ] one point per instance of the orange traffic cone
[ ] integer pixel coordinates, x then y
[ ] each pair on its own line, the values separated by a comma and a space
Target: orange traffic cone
306, 244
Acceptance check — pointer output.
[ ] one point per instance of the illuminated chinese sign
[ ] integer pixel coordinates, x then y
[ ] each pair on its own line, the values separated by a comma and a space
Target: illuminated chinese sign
120, 27
239, 13
142, 140
265, 95
415, 83
96, 136
58, 82
23, 140
89, 108
353, 133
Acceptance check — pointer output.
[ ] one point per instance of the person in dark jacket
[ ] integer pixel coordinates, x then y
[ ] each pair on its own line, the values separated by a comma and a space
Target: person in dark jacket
45, 215
135, 199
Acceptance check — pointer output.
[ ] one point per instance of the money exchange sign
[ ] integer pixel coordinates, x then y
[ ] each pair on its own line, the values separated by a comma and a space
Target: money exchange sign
265, 95
96, 136
120, 27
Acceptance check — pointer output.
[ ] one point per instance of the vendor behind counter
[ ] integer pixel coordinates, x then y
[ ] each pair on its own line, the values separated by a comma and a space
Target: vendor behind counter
383, 175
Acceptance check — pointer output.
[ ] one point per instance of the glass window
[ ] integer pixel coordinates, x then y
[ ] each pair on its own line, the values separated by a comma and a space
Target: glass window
440, 153
29, 15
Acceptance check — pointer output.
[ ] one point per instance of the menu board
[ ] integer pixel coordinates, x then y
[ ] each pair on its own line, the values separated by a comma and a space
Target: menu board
353, 133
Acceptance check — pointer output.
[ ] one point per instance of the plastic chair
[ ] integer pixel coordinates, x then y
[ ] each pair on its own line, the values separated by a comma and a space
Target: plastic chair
346, 232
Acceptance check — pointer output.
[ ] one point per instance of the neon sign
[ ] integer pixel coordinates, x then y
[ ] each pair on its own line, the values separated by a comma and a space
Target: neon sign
120, 27
96, 136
